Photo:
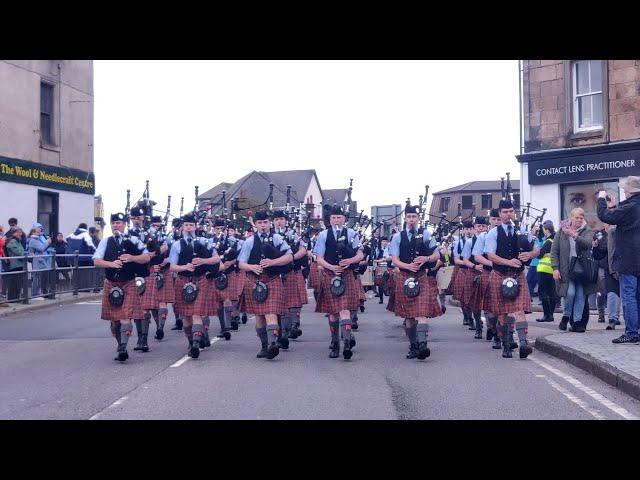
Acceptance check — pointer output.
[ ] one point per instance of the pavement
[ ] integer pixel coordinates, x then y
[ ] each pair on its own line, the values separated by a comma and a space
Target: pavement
40, 303
58, 364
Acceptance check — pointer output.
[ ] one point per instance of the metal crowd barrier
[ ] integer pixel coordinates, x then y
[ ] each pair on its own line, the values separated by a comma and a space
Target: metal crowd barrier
65, 276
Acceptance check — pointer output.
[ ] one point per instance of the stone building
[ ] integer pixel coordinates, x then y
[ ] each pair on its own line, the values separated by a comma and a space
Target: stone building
580, 127
46, 143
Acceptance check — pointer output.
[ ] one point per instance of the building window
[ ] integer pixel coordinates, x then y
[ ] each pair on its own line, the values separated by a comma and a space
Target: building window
587, 95
48, 212
444, 204
487, 202
467, 201
46, 113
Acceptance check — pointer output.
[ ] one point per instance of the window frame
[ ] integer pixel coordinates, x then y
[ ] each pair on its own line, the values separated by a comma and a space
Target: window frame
462, 197
444, 202
575, 96
51, 140
488, 196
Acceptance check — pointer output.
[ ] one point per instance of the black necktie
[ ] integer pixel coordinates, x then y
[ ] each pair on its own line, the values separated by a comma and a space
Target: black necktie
509, 228
118, 240
412, 232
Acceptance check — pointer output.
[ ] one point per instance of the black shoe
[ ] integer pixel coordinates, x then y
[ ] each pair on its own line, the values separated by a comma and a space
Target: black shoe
577, 328
263, 351
354, 324
497, 343
272, 351
293, 334
563, 323
423, 351
244, 318
283, 343
478, 335
352, 341
122, 353
195, 349
490, 334
624, 338
346, 350
506, 350
381, 301
601, 320
544, 319
472, 324
618, 322
144, 346
177, 326
413, 351
138, 344
335, 350
611, 326
361, 308
226, 334
234, 323
525, 350
206, 341
444, 309
465, 321
159, 334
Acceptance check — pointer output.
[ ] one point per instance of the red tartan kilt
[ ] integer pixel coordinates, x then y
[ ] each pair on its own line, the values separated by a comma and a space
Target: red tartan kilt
231, 292
469, 289
213, 297
292, 298
314, 275
167, 293
329, 303
302, 287
201, 304
361, 296
479, 298
273, 305
497, 304
129, 308
149, 299
459, 282
452, 282
424, 305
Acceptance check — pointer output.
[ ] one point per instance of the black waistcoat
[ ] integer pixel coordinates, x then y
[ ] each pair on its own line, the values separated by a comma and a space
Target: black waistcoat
473, 244
269, 250
189, 252
129, 270
415, 248
507, 250
460, 246
338, 250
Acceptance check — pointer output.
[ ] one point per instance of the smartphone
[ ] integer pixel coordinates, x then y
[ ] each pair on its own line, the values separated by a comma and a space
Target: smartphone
565, 223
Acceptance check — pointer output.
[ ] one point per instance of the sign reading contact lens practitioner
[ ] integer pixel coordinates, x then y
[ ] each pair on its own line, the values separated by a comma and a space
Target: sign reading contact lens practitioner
575, 168
20, 171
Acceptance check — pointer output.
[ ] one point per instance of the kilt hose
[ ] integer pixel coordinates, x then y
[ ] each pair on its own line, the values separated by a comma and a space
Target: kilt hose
167, 293
469, 288
497, 304
273, 305
328, 302
130, 306
149, 299
293, 296
479, 301
425, 304
200, 306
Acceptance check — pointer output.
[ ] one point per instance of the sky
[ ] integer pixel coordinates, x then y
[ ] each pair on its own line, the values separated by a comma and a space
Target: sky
392, 126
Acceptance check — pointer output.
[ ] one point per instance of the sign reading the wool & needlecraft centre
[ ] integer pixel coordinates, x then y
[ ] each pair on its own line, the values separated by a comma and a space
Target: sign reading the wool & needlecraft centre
37, 174
588, 167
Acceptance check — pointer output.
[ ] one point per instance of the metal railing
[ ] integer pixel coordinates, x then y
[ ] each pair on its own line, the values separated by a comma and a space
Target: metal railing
65, 275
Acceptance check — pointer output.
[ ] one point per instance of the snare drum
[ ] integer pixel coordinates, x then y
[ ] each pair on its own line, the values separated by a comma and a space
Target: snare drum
443, 277
367, 277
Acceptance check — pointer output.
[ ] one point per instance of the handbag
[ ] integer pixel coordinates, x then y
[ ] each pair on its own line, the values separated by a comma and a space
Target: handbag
583, 270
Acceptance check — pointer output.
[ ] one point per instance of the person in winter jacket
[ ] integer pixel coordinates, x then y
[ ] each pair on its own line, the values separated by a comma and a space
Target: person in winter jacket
39, 246
626, 260
81, 242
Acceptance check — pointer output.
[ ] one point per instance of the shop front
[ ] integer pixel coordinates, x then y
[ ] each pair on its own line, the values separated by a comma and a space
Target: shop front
561, 180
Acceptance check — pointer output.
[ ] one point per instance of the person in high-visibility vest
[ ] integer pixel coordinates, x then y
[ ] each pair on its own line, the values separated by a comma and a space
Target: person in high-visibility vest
546, 283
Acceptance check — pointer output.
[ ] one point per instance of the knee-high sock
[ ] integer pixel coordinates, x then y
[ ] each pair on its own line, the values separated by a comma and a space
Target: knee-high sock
145, 323
154, 315
206, 321
262, 335
354, 315
411, 333
294, 313
477, 316
273, 332
443, 298
287, 321
227, 317
522, 328
234, 308
138, 327
334, 328
466, 313
422, 332
197, 332
125, 332
345, 329
492, 322
115, 331
504, 329
221, 318
162, 317
188, 332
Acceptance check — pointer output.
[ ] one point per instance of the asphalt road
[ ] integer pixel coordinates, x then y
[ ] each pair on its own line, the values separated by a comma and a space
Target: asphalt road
58, 364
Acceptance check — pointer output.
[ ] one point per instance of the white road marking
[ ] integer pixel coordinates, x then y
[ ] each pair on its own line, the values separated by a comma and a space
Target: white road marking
589, 391
595, 413
114, 404
88, 303
186, 357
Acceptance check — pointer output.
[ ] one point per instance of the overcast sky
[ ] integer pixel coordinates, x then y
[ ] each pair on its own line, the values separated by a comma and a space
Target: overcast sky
392, 126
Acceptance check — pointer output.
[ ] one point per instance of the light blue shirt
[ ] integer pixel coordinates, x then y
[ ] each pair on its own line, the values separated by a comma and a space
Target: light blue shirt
102, 247
321, 241
459, 241
466, 250
491, 240
393, 248
247, 246
478, 248
176, 248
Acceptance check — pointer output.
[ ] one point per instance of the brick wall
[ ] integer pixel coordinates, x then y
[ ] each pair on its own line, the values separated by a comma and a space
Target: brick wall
548, 121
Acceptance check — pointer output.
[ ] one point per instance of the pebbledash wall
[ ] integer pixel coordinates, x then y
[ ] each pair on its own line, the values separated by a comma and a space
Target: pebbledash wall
581, 132
46, 143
